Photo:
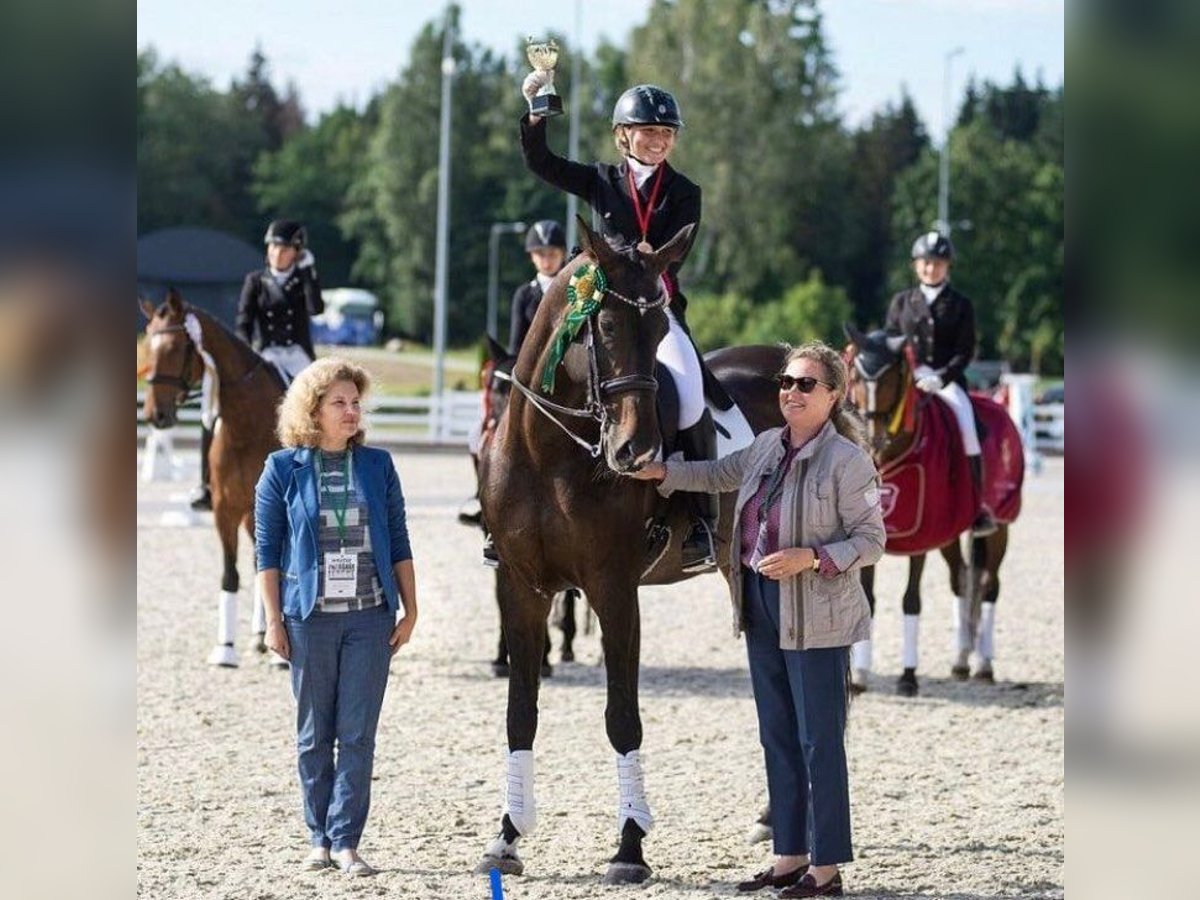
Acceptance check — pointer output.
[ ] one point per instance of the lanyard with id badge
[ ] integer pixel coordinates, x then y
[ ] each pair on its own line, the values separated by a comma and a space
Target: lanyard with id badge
773, 495
341, 568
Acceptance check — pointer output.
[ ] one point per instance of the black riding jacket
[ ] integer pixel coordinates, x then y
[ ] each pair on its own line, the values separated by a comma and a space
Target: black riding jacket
605, 188
281, 312
524, 305
942, 332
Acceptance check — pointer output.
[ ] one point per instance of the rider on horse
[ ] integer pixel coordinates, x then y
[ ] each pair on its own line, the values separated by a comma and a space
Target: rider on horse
939, 321
279, 299
644, 202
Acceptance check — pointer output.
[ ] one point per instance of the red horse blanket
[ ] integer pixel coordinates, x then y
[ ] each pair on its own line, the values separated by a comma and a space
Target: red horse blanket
928, 495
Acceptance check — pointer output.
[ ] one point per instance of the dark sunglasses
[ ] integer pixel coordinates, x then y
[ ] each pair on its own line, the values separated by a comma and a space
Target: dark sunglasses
806, 384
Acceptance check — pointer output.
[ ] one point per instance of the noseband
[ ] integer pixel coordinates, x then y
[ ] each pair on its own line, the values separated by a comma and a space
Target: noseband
600, 390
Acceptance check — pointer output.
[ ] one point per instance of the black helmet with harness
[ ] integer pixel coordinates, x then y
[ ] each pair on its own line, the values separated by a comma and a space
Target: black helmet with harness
933, 245
285, 231
647, 104
543, 234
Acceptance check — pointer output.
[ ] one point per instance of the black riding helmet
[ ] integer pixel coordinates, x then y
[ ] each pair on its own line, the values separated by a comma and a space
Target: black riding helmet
285, 231
543, 234
646, 104
933, 245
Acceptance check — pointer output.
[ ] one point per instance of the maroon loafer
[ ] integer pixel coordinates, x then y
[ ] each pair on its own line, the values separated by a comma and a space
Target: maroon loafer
765, 879
807, 887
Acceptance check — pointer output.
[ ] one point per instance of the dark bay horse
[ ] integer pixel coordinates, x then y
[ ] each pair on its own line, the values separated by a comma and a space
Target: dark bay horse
182, 341
563, 516
497, 388
877, 388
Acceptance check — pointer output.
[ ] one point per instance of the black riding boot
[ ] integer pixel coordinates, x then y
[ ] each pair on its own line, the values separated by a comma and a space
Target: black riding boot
201, 497
699, 547
984, 524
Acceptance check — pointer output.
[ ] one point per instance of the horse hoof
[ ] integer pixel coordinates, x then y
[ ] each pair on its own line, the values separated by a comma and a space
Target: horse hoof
260, 644
906, 685
985, 674
500, 669
568, 655
279, 662
223, 656
547, 670
626, 873
857, 688
759, 832
960, 673
508, 865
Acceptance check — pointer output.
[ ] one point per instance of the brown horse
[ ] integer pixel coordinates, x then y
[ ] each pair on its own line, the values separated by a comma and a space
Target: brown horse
182, 342
879, 378
563, 516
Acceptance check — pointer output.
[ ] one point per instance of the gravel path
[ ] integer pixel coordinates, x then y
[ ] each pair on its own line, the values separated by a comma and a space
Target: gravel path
956, 794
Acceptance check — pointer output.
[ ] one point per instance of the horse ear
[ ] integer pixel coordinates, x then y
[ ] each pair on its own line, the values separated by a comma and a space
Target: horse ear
497, 353
589, 240
174, 299
677, 247
853, 334
146, 307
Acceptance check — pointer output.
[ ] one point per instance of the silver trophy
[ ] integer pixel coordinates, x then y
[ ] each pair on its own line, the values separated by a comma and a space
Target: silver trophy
543, 56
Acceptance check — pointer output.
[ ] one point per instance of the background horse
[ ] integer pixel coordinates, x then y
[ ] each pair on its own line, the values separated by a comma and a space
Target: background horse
182, 343
563, 516
880, 382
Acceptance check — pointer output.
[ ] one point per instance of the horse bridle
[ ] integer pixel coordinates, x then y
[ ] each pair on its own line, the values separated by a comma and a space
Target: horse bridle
181, 380
600, 390
874, 415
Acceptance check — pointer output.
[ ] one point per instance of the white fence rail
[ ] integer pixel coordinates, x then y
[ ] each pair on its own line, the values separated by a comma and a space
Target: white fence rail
417, 420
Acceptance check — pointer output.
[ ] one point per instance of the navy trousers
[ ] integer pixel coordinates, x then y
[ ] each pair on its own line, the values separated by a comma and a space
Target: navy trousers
801, 701
339, 675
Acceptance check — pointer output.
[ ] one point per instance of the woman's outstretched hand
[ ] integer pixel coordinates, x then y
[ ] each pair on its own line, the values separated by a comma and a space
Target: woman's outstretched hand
651, 471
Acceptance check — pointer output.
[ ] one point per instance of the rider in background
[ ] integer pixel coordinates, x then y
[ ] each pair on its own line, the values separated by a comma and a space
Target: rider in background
278, 299
642, 202
940, 323
546, 244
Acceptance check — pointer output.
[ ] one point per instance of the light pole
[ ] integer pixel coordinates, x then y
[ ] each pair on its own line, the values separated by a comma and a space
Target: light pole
443, 229
493, 299
943, 219
573, 132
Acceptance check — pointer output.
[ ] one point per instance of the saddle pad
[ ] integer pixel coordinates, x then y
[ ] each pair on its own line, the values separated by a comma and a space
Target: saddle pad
733, 431
928, 496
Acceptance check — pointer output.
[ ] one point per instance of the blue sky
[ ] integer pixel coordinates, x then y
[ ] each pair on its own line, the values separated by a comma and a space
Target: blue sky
347, 49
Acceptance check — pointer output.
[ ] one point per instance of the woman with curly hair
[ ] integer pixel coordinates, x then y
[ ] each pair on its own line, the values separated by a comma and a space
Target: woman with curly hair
335, 570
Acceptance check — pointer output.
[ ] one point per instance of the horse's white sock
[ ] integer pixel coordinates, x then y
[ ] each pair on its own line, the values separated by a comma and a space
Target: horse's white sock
632, 786
519, 803
964, 639
226, 617
861, 656
986, 642
911, 630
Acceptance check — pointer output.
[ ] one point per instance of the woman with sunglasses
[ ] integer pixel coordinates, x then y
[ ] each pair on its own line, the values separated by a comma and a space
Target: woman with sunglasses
807, 516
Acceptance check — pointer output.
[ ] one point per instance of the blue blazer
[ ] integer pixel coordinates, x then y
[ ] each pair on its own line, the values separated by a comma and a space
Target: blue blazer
287, 520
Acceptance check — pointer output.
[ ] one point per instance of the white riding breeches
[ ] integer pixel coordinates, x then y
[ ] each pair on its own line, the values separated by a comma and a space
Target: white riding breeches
291, 359
953, 394
679, 356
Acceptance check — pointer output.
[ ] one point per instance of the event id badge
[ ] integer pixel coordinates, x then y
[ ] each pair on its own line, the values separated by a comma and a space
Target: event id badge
341, 574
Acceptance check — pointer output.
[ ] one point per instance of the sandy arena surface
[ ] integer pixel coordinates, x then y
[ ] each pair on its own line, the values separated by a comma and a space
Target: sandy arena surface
956, 794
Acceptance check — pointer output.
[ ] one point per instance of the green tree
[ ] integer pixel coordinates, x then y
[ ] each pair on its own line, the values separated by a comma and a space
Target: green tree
807, 311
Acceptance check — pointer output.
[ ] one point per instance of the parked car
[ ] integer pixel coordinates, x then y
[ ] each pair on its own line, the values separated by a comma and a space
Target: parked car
352, 317
1049, 419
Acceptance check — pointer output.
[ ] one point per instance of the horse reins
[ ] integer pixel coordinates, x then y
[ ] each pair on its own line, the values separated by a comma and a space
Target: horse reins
181, 380
599, 389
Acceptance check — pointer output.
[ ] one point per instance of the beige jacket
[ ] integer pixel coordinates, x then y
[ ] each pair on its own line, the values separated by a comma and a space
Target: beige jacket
832, 491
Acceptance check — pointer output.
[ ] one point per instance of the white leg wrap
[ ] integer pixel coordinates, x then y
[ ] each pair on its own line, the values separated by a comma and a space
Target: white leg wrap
964, 637
985, 644
226, 617
911, 630
632, 786
519, 803
861, 656
260, 611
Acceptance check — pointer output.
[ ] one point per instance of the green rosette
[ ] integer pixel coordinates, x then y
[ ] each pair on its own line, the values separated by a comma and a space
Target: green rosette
585, 290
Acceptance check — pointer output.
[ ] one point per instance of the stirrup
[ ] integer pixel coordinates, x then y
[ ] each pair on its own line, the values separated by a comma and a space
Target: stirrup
984, 524
706, 559
490, 559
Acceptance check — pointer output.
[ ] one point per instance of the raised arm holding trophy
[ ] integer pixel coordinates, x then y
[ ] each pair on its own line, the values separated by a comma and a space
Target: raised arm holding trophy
538, 88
